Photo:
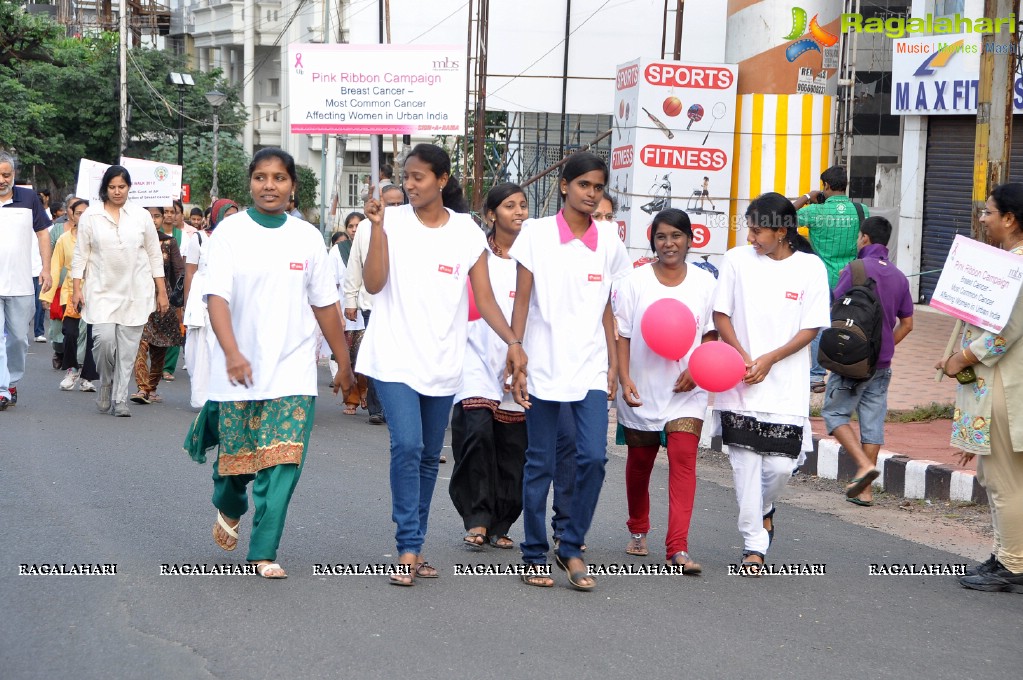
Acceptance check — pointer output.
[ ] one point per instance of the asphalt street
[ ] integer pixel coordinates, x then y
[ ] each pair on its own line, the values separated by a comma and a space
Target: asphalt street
80, 487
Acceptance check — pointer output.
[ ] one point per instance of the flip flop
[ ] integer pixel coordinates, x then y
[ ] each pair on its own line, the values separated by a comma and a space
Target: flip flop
750, 568
537, 580
404, 580
502, 542
637, 546
859, 485
263, 567
689, 567
349, 411
231, 531
860, 502
470, 539
575, 577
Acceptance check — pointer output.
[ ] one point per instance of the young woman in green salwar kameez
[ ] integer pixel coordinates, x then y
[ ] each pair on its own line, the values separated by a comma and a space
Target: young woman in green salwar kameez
269, 284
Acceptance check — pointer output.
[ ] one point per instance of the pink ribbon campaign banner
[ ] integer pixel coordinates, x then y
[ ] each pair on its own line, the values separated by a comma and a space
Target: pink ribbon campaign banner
979, 284
376, 89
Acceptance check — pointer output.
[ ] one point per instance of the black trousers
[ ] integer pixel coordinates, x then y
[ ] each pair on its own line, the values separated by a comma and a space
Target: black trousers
70, 328
486, 483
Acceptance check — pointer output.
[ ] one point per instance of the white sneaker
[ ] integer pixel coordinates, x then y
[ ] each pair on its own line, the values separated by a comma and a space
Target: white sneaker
40, 338
86, 385
68, 383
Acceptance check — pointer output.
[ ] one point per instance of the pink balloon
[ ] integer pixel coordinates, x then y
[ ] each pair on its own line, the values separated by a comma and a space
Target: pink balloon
716, 366
669, 328
474, 313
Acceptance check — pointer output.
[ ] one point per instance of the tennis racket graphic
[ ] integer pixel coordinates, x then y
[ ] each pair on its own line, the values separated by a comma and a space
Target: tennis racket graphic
718, 112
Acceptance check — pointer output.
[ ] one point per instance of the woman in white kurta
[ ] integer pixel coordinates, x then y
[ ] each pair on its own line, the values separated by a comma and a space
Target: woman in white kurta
420, 257
488, 429
772, 298
658, 398
354, 331
118, 250
267, 289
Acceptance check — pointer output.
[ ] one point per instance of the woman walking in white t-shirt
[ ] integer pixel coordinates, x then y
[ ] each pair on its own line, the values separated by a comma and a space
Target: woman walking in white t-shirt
262, 369
772, 298
420, 256
118, 250
488, 429
659, 398
566, 264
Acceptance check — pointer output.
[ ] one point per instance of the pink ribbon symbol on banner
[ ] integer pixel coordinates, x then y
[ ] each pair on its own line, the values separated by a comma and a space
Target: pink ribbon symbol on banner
298, 60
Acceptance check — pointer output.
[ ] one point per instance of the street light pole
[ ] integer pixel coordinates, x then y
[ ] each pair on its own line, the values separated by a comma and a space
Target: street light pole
216, 98
181, 80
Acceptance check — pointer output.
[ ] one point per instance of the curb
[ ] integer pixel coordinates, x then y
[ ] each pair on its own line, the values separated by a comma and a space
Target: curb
900, 475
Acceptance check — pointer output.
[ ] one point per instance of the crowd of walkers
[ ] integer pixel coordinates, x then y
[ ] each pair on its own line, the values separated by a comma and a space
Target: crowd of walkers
521, 336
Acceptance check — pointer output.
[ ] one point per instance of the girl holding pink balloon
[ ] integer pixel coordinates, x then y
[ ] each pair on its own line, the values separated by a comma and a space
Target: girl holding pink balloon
772, 298
566, 265
673, 304
488, 429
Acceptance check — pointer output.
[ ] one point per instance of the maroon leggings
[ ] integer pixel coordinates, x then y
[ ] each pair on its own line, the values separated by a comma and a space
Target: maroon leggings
681, 488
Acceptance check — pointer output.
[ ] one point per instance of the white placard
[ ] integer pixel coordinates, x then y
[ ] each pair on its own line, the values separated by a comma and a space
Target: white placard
671, 147
152, 183
376, 89
979, 284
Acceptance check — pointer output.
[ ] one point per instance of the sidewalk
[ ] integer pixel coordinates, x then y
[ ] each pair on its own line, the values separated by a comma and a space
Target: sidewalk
916, 460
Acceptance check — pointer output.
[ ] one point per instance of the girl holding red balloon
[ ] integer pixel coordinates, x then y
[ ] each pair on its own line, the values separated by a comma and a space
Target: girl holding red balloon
772, 298
674, 304
488, 429
566, 265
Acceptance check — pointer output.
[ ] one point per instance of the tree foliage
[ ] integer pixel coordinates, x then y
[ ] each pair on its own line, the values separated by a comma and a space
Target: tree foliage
60, 98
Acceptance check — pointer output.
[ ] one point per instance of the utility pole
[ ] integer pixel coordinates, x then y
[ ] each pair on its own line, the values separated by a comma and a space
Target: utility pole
123, 89
325, 142
994, 112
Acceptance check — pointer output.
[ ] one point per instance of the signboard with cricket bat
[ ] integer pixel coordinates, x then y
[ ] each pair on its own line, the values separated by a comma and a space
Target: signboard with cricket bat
672, 148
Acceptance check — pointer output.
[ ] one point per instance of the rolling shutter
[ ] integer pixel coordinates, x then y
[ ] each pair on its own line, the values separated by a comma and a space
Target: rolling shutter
948, 188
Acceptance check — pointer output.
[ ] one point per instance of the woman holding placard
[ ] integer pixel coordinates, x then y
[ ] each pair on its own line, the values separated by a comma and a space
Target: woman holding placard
982, 423
673, 304
772, 298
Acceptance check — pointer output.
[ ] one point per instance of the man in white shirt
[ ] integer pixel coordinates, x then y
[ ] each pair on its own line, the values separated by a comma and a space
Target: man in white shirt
22, 219
355, 296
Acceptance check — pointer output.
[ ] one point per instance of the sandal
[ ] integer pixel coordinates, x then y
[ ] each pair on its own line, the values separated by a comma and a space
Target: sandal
475, 539
818, 387
363, 405
155, 398
637, 546
689, 567
169, 377
749, 567
424, 570
349, 410
534, 578
502, 542
557, 544
231, 542
407, 576
269, 570
860, 484
575, 577
770, 532
139, 397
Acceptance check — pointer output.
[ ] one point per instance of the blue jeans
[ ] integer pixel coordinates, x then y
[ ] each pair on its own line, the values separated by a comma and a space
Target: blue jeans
590, 419
15, 316
416, 424
817, 371
868, 398
41, 311
372, 401
564, 471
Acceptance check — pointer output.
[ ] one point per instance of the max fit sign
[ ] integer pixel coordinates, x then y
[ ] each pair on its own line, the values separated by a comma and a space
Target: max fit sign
671, 147
940, 75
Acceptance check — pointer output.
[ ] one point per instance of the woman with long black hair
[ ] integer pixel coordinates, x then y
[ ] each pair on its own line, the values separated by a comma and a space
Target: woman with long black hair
772, 299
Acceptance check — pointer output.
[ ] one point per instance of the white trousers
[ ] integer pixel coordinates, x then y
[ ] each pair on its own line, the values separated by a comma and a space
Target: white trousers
759, 482
197, 357
114, 348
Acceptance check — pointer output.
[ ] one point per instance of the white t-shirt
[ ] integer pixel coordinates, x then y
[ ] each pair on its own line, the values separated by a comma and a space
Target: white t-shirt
653, 375
269, 278
338, 268
420, 319
564, 337
483, 373
769, 301
355, 295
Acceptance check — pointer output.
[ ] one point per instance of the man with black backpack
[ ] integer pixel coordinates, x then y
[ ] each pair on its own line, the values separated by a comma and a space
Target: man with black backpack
872, 312
833, 222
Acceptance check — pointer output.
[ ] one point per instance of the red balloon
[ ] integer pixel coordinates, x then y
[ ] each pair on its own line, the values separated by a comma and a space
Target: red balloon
669, 328
716, 366
474, 313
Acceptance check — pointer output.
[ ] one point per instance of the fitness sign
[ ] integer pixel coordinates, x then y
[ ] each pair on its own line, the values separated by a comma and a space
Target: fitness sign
671, 147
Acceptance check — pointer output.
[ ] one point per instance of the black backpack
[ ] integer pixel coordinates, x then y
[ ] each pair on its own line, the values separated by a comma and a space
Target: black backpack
852, 345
